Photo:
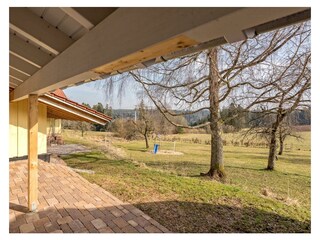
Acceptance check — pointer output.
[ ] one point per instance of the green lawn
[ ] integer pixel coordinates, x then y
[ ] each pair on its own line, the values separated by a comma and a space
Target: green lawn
169, 189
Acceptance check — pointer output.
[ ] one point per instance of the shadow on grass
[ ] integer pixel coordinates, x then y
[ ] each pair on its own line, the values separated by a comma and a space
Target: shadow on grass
252, 169
249, 168
300, 160
177, 216
138, 149
82, 157
268, 171
178, 164
203, 217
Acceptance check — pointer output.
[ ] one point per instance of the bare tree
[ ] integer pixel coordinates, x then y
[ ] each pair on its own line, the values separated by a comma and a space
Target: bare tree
206, 80
83, 127
124, 128
284, 86
77, 125
286, 130
262, 129
145, 122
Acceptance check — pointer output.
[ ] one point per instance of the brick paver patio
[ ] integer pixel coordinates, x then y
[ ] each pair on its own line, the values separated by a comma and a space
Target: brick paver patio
69, 203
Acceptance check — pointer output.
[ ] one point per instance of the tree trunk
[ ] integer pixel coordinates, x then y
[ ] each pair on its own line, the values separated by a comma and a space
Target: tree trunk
216, 166
273, 139
146, 139
272, 148
281, 140
281, 146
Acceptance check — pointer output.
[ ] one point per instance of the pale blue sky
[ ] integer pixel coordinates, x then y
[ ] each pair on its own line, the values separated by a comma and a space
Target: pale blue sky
92, 93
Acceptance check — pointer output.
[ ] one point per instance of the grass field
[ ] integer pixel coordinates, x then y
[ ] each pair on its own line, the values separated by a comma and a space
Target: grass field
169, 189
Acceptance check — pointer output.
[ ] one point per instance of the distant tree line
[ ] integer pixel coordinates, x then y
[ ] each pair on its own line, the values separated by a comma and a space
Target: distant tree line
235, 118
149, 121
144, 122
85, 126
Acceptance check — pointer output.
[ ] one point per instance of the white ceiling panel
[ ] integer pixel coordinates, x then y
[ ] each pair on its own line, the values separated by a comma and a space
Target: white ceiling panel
54, 16
78, 34
69, 26
38, 10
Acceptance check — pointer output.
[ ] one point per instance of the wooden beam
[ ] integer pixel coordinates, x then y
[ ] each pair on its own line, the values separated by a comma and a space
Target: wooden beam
31, 38
28, 51
77, 17
32, 152
15, 78
22, 65
18, 74
25, 59
31, 26
152, 52
95, 14
118, 42
232, 26
109, 42
14, 81
20, 71
13, 85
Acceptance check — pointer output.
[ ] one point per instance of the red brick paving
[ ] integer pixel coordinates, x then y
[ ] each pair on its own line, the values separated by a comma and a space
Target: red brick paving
69, 203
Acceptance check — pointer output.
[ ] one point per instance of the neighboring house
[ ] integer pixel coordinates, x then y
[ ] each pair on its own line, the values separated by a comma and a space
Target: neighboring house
54, 124
52, 108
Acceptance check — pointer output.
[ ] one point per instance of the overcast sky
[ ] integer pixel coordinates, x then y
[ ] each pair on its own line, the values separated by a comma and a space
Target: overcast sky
91, 93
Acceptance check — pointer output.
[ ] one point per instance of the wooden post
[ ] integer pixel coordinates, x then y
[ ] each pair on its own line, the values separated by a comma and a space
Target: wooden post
32, 152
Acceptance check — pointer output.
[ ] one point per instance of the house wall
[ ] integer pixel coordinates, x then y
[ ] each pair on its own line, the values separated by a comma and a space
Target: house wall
53, 126
18, 141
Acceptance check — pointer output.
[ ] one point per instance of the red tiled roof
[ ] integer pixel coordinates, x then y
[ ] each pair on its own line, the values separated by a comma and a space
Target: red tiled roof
60, 94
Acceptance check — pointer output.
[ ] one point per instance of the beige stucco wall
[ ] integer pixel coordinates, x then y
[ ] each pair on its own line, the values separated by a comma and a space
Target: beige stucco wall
18, 141
53, 126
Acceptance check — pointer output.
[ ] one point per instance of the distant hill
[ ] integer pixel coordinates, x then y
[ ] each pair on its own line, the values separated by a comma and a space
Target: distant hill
123, 113
191, 119
197, 118
301, 117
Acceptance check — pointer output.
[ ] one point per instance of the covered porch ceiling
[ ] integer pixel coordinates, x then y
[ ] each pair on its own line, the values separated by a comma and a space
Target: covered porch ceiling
54, 47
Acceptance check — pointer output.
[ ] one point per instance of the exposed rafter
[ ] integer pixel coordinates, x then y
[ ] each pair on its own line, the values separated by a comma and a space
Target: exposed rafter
22, 65
13, 85
24, 59
37, 30
15, 78
28, 51
20, 71
17, 74
78, 17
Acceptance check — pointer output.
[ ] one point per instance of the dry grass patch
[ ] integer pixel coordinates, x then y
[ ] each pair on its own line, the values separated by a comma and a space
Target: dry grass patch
169, 189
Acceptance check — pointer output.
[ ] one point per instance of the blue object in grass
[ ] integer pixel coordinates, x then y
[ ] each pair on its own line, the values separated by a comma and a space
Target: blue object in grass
155, 148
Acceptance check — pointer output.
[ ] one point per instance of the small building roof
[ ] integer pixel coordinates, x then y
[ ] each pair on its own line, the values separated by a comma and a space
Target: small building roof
60, 107
60, 93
